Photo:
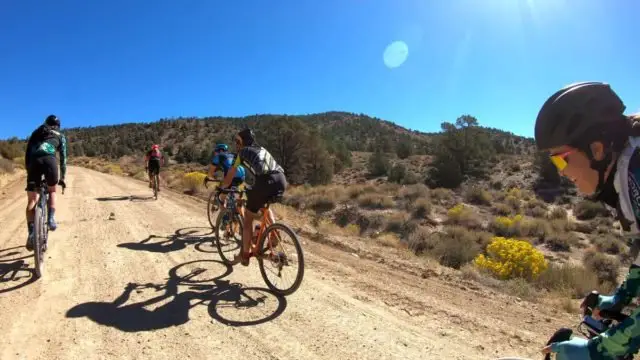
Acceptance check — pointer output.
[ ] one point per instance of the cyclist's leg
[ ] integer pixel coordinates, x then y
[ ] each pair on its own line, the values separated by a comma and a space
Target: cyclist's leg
50, 169
255, 201
33, 183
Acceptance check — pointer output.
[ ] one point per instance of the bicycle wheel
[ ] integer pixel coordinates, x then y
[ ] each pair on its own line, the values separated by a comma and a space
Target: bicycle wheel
228, 241
212, 207
39, 230
273, 252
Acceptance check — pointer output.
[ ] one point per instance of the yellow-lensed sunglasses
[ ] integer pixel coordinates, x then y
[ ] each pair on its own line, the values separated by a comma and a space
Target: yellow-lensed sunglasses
560, 160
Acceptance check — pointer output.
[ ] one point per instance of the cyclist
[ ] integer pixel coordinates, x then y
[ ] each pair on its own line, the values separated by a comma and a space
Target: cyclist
590, 140
222, 158
152, 163
40, 159
270, 182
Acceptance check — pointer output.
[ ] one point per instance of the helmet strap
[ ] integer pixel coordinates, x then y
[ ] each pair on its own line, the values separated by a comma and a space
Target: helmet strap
600, 166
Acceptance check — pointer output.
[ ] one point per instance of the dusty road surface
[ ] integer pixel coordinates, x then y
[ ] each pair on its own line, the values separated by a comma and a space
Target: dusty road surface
124, 288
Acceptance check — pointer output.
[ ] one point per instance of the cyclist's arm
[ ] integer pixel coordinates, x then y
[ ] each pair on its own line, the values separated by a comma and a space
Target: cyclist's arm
27, 154
212, 171
231, 173
63, 156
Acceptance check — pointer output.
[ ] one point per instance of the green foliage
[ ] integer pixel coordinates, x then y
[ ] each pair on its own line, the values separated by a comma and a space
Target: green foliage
398, 173
445, 172
404, 148
379, 164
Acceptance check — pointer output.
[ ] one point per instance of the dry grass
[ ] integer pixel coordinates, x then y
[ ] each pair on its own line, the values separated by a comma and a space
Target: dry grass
6, 166
478, 196
376, 201
587, 210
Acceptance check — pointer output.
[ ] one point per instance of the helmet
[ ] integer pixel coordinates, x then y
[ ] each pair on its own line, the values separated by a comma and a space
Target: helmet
222, 147
52, 120
247, 136
155, 147
570, 115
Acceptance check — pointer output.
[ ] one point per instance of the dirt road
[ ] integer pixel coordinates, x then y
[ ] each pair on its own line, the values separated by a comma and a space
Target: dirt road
122, 288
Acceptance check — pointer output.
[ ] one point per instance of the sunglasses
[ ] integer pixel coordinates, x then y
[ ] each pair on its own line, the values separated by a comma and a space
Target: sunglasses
560, 160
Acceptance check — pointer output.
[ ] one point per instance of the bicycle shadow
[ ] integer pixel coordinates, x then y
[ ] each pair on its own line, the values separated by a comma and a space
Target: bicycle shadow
133, 198
214, 291
175, 242
14, 271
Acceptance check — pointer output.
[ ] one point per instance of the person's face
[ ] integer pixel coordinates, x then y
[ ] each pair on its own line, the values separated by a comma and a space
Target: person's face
575, 165
238, 142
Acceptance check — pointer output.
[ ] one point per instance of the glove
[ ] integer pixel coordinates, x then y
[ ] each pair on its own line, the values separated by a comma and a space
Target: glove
206, 180
62, 183
573, 349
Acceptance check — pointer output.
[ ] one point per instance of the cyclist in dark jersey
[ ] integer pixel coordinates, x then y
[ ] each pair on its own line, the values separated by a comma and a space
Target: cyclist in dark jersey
270, 182
40, 159
589, 139
152, 163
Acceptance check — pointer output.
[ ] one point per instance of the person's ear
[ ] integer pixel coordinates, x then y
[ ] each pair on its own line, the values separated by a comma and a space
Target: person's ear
597, 150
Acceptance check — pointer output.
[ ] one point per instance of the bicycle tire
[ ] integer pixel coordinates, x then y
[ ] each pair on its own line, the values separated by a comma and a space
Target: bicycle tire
210, 211
39, 229
219, 245
296, 243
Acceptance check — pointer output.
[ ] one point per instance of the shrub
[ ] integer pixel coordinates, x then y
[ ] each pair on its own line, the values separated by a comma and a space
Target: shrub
502, 209
376, 201
513, 202
320, 203
586, 227
373, 222
463, 216
506, 226
414, 192
537, 212
193, 181
397, 174
442, 195
395, 223
453, 247
421, 208
419, 239
558, 213
561, 241
586, 210
347, 215
6, 166
477, 195
113, 169
610, 245
511, 258
577, 280
605, 267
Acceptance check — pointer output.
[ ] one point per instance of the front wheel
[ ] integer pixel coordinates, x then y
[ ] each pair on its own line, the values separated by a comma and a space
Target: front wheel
280, 259
212, 207
228, 232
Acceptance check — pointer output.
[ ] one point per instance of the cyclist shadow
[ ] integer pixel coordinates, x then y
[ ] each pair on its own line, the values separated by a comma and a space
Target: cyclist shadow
14, 271
214, 292
175, 242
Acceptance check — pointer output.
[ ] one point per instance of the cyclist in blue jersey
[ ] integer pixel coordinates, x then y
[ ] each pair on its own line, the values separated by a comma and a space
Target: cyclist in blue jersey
223, 160
589, 139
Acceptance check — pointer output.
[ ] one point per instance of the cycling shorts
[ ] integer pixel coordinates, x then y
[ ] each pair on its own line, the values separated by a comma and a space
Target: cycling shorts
39, 166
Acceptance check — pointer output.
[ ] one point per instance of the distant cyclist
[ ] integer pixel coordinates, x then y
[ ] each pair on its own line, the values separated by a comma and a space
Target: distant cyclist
583, 129
269, 182
40, 159
152, 163
223, 160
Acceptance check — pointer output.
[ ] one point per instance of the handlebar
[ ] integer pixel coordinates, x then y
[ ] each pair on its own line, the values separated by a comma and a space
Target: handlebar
221, 190
591, 302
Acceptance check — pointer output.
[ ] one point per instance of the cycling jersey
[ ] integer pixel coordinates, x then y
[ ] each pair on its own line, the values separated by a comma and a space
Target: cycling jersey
258, 161
45, 141
623, 193
153, 154
225, 161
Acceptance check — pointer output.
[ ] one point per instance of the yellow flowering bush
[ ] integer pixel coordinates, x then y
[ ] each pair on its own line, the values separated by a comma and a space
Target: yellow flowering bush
512, 258
193, 181
114, 169
463, 216
506, 226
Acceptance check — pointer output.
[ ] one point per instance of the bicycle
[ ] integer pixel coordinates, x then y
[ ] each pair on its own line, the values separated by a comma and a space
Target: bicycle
267, 237
155, 181
40, 227
228, 220
213, 205
589, 327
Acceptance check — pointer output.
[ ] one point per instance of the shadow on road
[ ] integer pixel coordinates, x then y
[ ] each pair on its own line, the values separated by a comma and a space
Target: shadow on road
14, 271
175, 242
188, 286
126, 198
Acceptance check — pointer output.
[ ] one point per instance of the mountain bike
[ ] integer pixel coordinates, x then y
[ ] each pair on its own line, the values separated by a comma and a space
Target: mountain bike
40, 227
229, 222
267, 246
589, 327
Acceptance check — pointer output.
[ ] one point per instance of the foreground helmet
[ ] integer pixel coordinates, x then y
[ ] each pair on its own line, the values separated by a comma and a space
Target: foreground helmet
222, 147
247, 136
569, 115
52, 120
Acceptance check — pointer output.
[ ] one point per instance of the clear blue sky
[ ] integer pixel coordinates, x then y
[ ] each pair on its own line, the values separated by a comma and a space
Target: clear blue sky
105, 62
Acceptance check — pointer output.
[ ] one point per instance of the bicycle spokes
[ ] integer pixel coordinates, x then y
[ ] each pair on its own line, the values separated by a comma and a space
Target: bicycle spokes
280, 257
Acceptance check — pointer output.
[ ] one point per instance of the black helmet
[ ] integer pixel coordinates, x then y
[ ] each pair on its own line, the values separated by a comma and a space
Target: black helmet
52, 120
247, 136
569, 115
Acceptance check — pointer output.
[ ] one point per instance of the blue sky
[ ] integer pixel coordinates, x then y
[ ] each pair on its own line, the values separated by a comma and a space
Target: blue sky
106, 62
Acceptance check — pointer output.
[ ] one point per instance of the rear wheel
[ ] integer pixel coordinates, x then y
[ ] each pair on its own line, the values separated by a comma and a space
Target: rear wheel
228, 233
156, 183
281, 259
39, 236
